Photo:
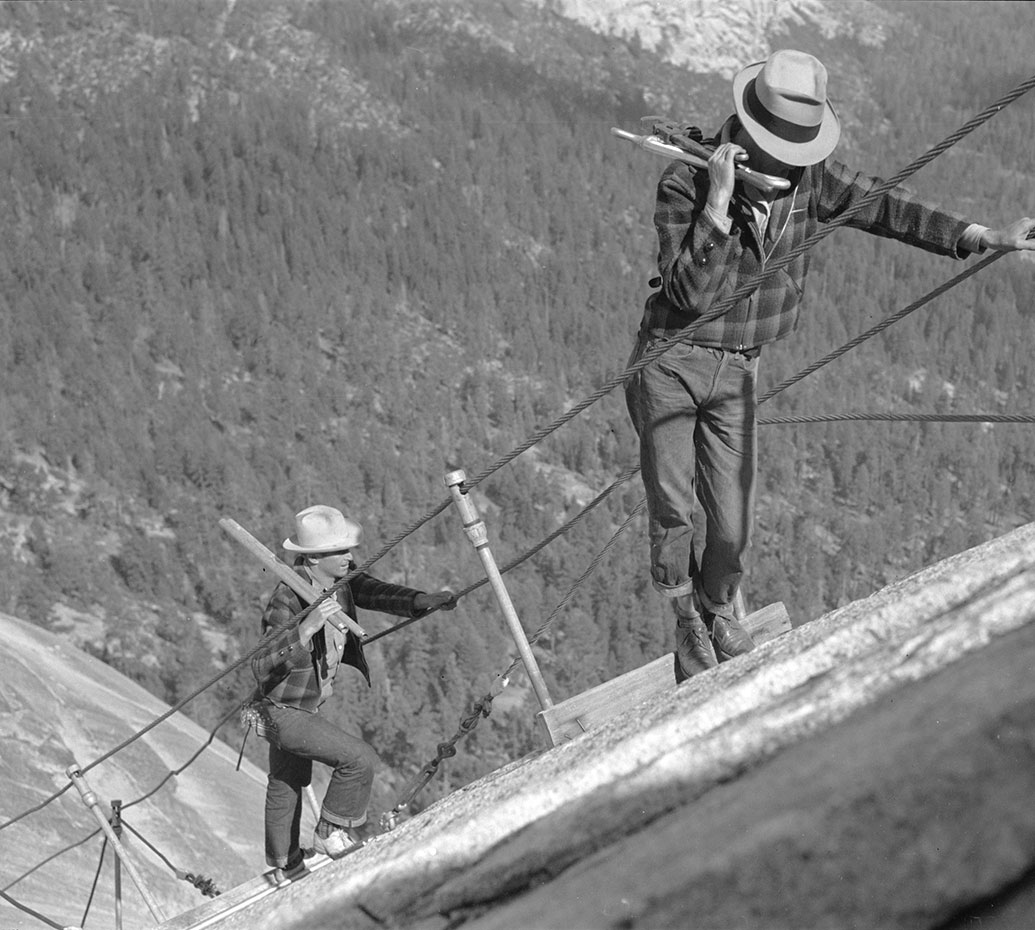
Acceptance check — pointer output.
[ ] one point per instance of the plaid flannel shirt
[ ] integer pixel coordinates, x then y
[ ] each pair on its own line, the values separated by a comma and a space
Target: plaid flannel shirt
700, 265
293, 674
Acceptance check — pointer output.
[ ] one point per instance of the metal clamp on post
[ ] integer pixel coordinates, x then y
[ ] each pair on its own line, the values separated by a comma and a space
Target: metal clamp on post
475, 529
90, 800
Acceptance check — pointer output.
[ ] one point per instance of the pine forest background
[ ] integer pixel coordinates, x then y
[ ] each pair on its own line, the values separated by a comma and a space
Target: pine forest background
237, 287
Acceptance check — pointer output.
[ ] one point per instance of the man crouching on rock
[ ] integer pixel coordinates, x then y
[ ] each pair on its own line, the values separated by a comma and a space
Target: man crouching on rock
295, 669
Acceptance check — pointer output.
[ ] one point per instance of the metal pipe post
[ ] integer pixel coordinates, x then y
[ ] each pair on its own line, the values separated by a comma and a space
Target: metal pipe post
90, 800
116, 826
475, 529
314, 805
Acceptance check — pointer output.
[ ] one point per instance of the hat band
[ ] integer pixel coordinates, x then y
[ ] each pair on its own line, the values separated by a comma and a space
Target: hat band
778, 126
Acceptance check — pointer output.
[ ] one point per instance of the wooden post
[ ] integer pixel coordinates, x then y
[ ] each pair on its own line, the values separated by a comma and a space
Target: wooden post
304, 589
90, 800
476, 532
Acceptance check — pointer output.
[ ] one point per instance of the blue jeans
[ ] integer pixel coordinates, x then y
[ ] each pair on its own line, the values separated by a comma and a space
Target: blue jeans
694, 411
301, 739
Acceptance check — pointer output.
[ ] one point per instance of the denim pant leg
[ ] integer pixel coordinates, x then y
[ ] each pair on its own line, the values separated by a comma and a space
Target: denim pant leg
314, 738
663, 406
288, 776
693, 409
727, 464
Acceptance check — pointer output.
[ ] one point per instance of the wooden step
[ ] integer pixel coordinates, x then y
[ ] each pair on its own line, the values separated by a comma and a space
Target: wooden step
576, 715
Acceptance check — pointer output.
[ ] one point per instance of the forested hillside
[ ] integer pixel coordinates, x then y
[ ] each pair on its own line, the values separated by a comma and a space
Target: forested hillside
270, 254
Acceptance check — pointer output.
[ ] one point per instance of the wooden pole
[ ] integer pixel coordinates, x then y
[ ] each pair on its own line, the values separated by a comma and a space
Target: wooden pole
90, 800
304, 589
476, 532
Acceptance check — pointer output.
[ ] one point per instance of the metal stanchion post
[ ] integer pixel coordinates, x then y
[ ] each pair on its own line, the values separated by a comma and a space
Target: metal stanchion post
477, 533
90, 800
116, 826
314, 805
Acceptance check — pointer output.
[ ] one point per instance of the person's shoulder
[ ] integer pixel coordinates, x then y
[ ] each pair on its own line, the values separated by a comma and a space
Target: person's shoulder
681, 177
283, 594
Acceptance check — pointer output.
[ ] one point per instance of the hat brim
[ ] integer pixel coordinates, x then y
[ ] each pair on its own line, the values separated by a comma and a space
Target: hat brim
293, 546
796, 154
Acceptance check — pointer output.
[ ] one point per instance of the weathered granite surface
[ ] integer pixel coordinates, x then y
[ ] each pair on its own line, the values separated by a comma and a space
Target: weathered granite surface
872, 768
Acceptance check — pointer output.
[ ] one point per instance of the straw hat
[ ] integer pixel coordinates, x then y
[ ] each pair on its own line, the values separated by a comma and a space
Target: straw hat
782, 103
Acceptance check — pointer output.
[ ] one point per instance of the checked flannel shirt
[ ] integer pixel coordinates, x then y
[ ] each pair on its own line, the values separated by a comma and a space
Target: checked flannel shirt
295, 675
700, 264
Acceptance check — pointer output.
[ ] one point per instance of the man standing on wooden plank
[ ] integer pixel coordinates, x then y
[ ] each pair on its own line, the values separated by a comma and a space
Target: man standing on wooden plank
694, 407
295, 669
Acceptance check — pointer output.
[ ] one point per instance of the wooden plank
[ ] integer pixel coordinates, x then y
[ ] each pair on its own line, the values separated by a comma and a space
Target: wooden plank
229, 902
308, 592
571, 718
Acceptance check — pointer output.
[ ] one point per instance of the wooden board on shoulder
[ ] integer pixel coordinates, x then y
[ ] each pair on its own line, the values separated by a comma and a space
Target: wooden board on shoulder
576, 715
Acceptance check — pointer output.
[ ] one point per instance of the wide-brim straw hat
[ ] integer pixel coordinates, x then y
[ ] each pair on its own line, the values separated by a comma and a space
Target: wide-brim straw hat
782, 103
323, 529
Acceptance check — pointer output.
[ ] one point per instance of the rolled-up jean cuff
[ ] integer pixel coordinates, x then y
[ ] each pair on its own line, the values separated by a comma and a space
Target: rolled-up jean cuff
674, 590
340, 821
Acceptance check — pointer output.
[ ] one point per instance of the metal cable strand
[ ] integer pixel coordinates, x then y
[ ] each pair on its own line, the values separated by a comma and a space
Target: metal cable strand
51, 858
174, 772
483, 707
905, 417
28, 910
35, 808
739, 293
93, 887
133, 738
664, 346
525, 556
880, 327
205, 885
648, 357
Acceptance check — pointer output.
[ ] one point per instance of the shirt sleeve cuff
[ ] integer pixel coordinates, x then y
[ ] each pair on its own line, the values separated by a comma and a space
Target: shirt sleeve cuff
971, 238
722, 223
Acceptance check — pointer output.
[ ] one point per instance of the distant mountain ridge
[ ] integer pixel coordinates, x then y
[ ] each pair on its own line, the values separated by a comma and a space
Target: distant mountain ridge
720, 37
261, 43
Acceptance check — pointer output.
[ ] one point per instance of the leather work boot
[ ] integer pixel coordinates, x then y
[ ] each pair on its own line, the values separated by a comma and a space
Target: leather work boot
295, 868
728, 636
694, 651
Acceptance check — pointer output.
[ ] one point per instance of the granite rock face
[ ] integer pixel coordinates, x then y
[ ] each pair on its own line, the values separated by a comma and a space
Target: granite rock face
59, 706
873, 767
